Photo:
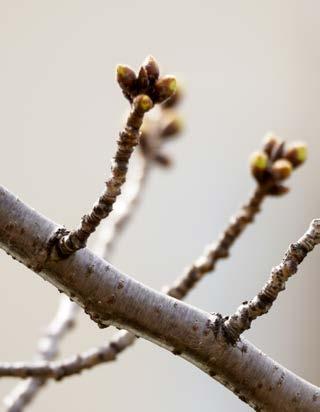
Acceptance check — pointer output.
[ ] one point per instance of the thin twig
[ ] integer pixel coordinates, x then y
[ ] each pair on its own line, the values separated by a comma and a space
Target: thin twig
220, 249
70, 366
129, 138
63, 321
241, 320
112, 228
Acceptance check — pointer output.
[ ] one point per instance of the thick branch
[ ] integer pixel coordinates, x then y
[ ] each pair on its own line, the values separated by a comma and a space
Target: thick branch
48, 346
111, 297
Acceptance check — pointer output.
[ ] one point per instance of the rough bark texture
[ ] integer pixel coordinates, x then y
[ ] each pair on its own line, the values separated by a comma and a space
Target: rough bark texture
48, 346
262, 302
111, 297
129, 138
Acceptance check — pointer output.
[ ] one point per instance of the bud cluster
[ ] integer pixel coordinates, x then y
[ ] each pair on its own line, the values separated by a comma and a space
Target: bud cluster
276, 161
148, 82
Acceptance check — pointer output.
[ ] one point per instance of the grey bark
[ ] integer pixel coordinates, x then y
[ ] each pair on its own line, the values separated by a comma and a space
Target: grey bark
111, 297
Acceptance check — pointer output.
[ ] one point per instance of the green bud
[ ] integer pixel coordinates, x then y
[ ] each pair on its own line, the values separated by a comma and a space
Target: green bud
258, 165
297, 153
175, 98
142, 103
259, 160
165, 87
281, 169
172, 125
126, 78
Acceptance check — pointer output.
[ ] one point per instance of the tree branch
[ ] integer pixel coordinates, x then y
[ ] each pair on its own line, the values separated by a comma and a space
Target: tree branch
48, 347
143, 92
129, 138
220, 249
111, 297
70, 366
241, 320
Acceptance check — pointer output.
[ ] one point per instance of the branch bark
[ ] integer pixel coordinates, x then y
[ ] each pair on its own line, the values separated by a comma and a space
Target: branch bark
63, 321
129, 138
111, 297
220, 249
241, 320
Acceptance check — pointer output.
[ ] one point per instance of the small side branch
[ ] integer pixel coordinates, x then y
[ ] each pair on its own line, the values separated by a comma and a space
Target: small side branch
241, 320
219, 249
129, 138
70, 366
270, 168
48, 347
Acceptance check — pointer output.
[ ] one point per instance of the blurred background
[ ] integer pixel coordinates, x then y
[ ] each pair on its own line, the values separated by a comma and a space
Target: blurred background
248, 67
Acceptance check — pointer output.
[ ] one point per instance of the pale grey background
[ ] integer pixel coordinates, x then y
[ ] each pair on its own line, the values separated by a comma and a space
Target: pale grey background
248, 66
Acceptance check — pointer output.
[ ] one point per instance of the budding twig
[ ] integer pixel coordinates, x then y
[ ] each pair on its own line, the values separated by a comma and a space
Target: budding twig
143, 92
269, 172
262, 302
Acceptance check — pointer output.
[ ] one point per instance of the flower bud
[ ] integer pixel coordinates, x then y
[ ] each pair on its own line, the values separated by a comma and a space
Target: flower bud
258, 164
259, 160
143, 81
297, 153
126, 78
142, 103
270, 143
165, 87
175, 98
172, 125
281, 169
152, 68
